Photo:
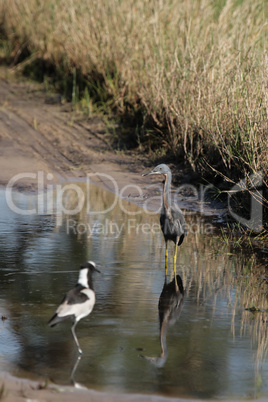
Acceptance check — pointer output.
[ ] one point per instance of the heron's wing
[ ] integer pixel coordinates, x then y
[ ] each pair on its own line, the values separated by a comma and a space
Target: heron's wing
179, 220
173, 224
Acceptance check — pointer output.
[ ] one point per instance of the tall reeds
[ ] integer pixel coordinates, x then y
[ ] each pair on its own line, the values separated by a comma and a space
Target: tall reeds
196, 69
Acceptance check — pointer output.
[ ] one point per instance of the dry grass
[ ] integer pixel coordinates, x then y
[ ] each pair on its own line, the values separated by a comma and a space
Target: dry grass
197, 69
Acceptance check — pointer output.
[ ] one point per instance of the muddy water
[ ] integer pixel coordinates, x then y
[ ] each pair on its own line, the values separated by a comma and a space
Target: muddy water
197, 342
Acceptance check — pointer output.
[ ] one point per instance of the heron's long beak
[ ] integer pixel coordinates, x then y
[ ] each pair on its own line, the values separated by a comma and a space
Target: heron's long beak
151, 172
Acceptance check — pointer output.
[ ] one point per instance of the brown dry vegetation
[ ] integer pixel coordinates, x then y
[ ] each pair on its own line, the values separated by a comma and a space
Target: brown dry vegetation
191, 73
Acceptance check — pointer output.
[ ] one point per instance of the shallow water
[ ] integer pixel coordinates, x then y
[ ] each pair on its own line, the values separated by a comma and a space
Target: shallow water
212, 346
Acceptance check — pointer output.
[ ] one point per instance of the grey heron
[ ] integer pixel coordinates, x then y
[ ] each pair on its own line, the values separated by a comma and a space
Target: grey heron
171, 218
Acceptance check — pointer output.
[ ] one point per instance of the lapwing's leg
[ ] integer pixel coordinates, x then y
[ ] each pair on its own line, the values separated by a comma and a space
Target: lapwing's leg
75, 338
166, 262
175, 263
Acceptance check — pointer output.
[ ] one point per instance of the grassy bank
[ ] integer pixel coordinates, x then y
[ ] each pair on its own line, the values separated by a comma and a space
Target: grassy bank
191, 73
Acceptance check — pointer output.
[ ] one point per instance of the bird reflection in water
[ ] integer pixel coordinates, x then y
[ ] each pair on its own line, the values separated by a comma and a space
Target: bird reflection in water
169, 308
73, 381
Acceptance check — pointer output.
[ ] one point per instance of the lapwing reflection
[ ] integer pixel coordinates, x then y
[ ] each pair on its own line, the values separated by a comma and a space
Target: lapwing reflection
169, 309
73, 381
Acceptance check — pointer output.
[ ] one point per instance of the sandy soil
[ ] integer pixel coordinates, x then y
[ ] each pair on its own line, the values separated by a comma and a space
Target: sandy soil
13, 389
39, 133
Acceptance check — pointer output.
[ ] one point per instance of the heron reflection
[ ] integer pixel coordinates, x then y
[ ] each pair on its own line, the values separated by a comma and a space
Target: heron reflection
169, 309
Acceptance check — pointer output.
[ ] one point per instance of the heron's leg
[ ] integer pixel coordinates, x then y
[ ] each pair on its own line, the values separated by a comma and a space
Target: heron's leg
75, 338
175, 264
166, 265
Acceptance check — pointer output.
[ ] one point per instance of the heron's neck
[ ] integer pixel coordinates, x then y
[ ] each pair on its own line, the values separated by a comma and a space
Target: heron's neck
166, 192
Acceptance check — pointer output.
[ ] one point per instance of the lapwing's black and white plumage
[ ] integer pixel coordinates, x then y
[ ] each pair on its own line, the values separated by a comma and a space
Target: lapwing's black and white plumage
78, 302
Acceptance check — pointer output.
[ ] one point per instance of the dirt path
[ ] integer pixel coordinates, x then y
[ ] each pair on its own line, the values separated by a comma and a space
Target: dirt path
39, 133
